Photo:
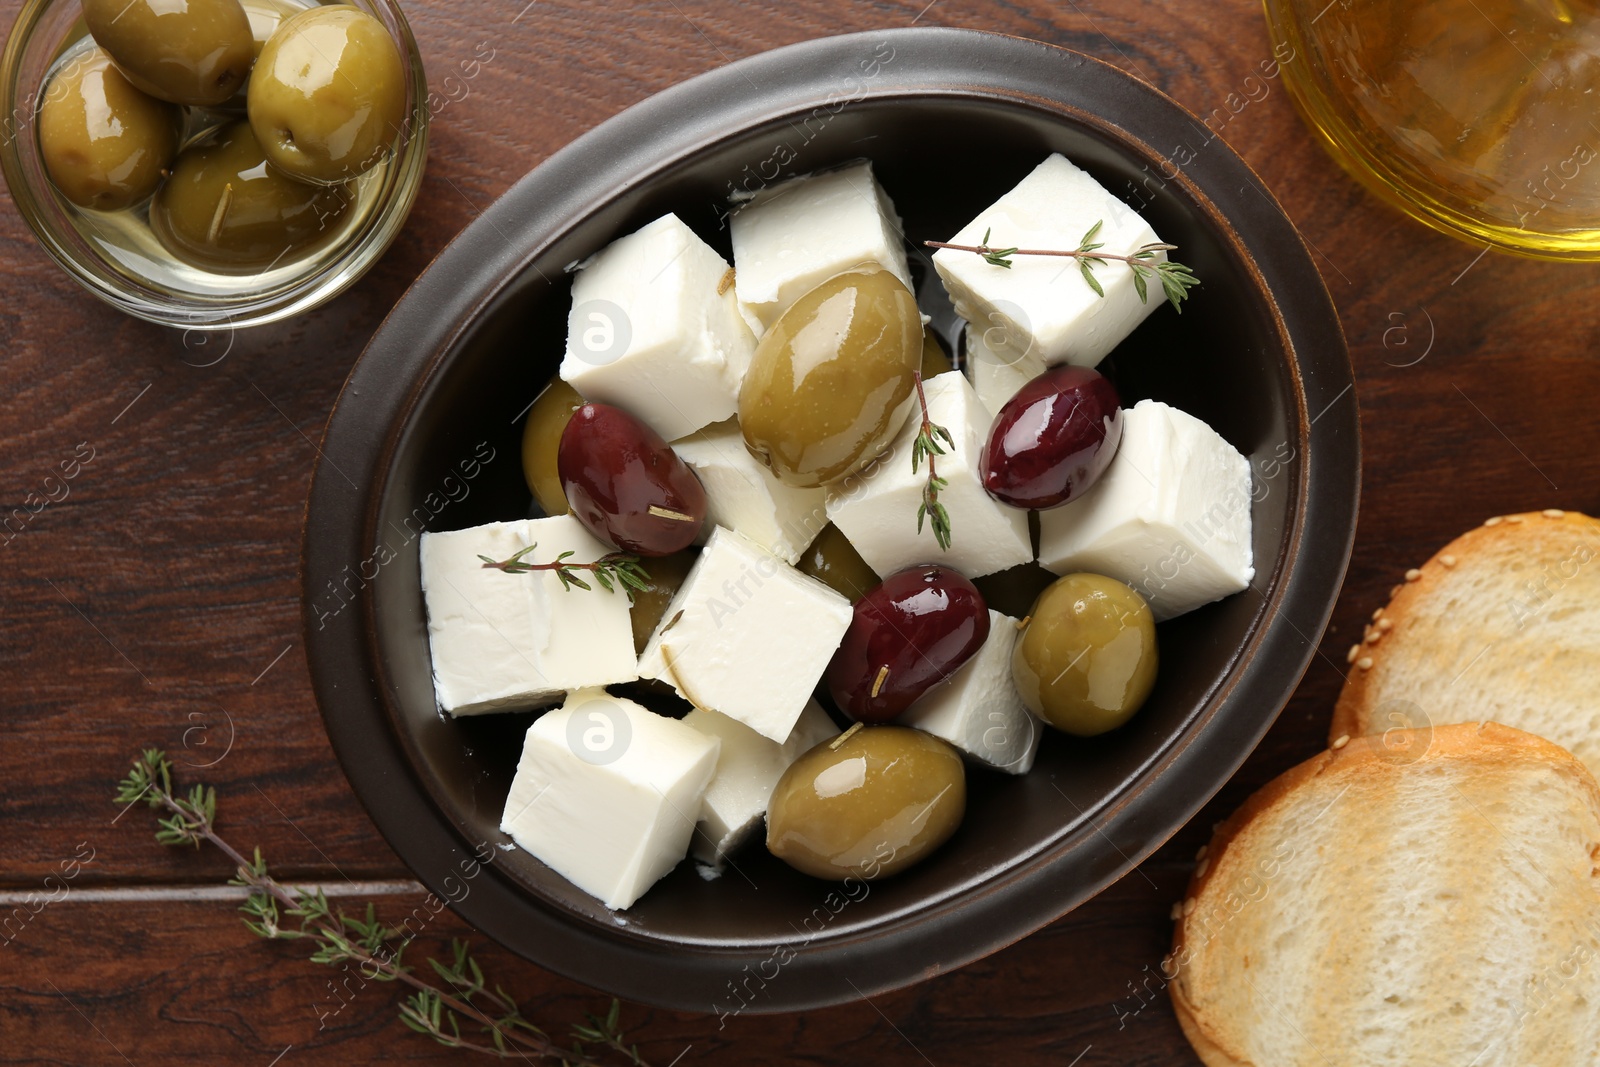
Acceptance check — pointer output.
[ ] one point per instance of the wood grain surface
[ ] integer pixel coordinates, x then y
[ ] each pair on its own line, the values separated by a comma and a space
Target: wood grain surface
157, 603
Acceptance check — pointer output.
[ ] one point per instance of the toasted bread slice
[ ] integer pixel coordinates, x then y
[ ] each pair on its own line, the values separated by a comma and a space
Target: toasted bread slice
1429, 902
1502, 625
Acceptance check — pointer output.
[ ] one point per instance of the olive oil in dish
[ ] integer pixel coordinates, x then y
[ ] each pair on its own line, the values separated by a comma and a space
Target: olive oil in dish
1468, 115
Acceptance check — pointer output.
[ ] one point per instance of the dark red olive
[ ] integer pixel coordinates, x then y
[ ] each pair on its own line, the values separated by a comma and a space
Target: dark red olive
626, 485
908, 634
1054, 439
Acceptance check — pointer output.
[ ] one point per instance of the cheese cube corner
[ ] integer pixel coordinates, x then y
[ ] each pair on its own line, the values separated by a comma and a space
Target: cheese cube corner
747, 635
977, 708
997, 373
1041, 305
743, 495
655, 329
606, 793
507, 642
1170, 516
791, 237
748, 767
876, 509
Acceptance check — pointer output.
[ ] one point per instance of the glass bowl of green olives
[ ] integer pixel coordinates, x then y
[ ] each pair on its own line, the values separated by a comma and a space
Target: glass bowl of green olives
216, 164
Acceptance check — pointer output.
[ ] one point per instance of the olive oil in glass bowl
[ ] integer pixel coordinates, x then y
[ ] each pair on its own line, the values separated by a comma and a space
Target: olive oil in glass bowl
1476, 117
116, 255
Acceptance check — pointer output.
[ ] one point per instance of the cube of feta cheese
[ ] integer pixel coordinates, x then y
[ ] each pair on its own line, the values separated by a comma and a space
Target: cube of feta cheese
748, 766
504, 642
1045, 306
606, 793
742, 495
655, 329
877, 508
977, 708
1170, 516
997, 374
792, 237
747, 635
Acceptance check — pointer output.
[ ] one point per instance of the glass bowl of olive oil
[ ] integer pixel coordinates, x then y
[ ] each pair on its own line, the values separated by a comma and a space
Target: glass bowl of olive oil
1472, 116
116, 254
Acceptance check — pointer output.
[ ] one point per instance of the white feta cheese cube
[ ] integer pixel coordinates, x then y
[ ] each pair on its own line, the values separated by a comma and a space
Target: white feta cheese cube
655, 329
997, 374
790, 238
505, 642
877, 509
977, 708
1043, 303
1170, 516
742, 495
747, 635
748, 766
606, 793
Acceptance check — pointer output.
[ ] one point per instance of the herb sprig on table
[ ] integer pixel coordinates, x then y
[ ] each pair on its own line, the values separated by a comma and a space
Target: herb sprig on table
610, 570
493, 1023
1176, 279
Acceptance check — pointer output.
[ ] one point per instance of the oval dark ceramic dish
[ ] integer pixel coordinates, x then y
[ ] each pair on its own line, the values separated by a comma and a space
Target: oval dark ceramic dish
426, 434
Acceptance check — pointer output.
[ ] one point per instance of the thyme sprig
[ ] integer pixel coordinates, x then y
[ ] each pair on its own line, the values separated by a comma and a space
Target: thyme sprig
279, 913
1176, 279
611, 570
925, 447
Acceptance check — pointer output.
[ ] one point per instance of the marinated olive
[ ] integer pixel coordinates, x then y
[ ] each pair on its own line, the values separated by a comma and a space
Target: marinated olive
666, 574
196, 52
831, 381
105, 144
907, 635
541, 439
626, 485
226, 209
1053, 439
1086, 660
328, 95
935, 360
866, 804
834, 561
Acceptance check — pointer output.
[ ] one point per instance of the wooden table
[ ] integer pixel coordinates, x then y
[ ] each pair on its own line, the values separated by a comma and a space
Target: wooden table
158, 602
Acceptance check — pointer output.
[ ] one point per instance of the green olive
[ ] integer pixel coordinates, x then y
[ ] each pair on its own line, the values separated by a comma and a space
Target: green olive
1086, 660
541, 439
834, 561
831, 381
666, 574
328, 96
190, 52
935, 360
227, 210
866, 804
105, 144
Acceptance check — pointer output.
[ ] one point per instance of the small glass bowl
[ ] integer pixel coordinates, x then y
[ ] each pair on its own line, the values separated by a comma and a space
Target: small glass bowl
115, 256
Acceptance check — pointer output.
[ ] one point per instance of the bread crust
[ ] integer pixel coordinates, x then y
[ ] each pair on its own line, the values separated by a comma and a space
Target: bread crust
1490, 743
1355, 713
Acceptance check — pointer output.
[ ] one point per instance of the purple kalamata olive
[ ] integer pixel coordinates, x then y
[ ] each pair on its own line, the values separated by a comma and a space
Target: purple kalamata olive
626, 485
908, 634
1054, 439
